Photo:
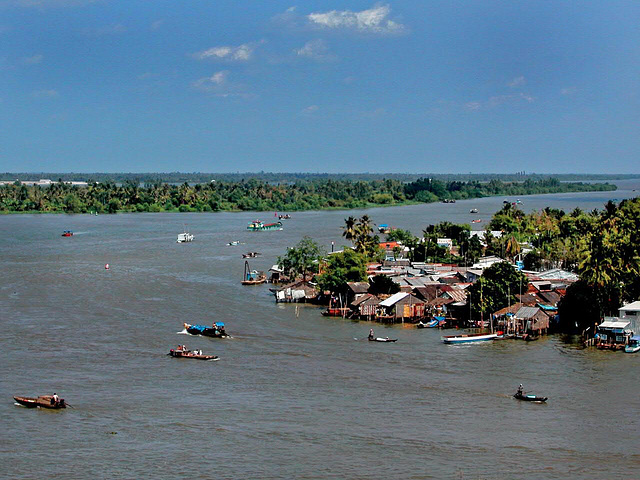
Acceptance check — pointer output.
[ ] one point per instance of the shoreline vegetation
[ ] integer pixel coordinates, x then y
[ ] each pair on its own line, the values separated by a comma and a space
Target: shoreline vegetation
308, 192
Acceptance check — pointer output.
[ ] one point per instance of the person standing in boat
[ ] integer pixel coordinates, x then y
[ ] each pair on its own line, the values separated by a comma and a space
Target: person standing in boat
520, 390
371, 334
55, 399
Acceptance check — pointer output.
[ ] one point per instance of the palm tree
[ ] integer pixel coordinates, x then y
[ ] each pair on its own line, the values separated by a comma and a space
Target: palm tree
349, 228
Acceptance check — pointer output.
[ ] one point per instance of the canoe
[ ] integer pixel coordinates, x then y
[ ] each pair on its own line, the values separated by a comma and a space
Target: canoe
529, 398
380, 339
215, 331
469, 338
190, 354
42, 401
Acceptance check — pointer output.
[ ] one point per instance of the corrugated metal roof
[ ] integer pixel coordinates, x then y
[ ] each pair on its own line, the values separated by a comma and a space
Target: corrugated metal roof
396, 297
619, 324
526, 312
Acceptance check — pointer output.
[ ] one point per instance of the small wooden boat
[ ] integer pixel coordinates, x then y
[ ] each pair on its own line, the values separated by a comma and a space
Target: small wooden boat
67, 233
216, 330
469, 338
251, 254
336, 312
189, 354
252, 277
381, 339
42, 401
529, 398
433, 323
476, 221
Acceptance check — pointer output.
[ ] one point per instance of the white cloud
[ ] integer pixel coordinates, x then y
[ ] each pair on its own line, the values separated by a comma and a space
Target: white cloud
517, 82
45, 94
33, 60
315, 49
311, 109
373, 20
241, 53
497, 100
219, 85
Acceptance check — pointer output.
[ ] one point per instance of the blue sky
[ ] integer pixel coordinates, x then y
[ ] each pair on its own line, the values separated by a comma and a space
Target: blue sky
319, 86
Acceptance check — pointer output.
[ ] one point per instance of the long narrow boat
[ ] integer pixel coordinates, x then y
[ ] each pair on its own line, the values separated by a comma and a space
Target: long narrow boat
216, 330
381, 339
468, 338
190, 354
42, 401
529, 398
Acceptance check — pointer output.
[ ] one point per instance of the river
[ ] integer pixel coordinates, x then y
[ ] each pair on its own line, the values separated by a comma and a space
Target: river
294, 394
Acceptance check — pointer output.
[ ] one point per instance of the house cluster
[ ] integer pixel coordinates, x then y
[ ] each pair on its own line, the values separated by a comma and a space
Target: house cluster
617, 333
430, 290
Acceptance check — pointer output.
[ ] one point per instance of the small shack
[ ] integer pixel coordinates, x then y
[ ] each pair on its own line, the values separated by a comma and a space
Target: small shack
403, 306
299, 291
613, 334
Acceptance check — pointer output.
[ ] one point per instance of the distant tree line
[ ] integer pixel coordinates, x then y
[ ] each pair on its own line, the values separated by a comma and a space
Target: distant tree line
193, 178
258, 195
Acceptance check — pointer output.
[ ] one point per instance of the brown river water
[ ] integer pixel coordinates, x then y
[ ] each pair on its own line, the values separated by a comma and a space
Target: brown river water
294, 395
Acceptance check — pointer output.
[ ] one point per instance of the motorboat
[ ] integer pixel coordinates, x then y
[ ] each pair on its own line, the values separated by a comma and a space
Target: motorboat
67, 233
252, 277
634, 344
469, 338
216, 330
382, 339
180, 352
184, 237
42, 401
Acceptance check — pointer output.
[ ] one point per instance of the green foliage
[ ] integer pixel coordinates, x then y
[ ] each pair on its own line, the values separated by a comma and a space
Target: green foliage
496, 288
343, 267
382, 284
301, 259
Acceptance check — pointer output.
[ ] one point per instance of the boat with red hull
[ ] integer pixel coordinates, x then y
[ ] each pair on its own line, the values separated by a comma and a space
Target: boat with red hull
42, 401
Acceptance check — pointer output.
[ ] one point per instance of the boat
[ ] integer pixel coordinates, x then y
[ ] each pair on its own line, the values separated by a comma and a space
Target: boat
634, 344
181, 352
252, 277
251, 254
433, 323
184, 237
384, 228
234, 243
476, 221
529, 398
260, 226
286, 216
216, 330
42, 401
67, 233
473, 210
468, 338
381, 339
336, 312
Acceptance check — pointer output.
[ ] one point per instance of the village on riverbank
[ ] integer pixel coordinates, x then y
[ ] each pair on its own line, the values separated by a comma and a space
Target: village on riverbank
522, 277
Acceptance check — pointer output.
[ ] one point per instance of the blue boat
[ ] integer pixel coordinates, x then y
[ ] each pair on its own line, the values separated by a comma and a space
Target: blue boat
216, 330
634, 344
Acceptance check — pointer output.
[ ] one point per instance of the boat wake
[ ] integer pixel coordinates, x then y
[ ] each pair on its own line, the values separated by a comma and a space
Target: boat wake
183, 332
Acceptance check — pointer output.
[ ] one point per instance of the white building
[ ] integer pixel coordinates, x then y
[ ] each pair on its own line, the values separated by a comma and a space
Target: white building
631, 313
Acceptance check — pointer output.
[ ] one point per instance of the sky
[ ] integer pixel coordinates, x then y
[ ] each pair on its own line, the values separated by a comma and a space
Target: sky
319, 86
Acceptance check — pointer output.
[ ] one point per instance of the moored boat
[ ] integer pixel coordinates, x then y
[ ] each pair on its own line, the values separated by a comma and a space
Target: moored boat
469, 338
182, 352
259, 226
634, 344
42, 401
436, 321
216, 330
252, 277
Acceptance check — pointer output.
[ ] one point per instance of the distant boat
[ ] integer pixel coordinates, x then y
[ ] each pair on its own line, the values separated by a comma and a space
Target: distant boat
196, 355
184, 237
433, 323
529, 398
43, 401
216, 330
251, 254
476, 221
234, 243
473, 210
468, 338
67, 233
381, 339
260, 226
